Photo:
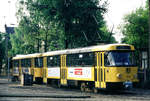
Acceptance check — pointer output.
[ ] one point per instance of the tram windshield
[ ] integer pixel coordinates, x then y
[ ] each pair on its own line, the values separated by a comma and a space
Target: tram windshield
116, 58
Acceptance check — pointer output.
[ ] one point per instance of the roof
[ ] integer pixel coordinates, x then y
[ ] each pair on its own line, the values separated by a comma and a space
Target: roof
9, 30
87, 49
27, 56
77, 50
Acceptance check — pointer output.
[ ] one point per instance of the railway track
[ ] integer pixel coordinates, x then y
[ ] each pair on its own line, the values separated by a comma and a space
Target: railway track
16, 92
43, 96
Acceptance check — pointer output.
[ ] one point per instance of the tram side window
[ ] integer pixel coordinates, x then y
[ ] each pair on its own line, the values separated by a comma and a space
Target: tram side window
82, 59
22, 63
38, 62
26, 63
53, 61
16, 63
108, 59
71, 59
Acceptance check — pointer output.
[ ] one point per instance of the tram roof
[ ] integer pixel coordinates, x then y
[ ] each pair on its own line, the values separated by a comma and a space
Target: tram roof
110, 47
106, 47
22, 56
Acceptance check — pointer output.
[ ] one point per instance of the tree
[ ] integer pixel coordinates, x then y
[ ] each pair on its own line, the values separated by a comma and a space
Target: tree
135, 28
36, 29
2, 50
23, 42
81, 20
58, 24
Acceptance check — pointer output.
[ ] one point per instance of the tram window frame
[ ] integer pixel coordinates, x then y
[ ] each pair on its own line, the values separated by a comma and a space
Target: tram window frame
101, 64
106, 61
80, 59
25, 62
16, 63
53, 61
38, 62
113, 61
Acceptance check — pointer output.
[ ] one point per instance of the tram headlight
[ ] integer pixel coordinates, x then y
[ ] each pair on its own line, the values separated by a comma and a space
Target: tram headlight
119, 76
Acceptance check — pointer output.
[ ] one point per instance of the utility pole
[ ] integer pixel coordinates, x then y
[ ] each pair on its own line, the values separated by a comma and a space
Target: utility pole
149, 39
6, 51
149, 36
7, 38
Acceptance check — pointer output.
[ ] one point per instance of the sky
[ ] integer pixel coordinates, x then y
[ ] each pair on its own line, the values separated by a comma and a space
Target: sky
116, 11
7, 13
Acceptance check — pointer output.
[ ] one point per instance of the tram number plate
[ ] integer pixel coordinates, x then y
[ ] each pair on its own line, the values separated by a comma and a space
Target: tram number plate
128, 84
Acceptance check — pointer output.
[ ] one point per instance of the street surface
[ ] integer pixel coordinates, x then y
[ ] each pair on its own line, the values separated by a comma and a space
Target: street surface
10, 91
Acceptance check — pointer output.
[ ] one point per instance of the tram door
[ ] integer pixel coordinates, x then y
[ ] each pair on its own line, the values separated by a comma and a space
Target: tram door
44, 69
100, 71
63, 71
32, 67
20, 70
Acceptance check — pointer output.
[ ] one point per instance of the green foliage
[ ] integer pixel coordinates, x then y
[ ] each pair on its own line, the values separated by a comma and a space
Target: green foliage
19, 43
2, 49
80, 20
135, 28
24, 39
2, 43
58, 24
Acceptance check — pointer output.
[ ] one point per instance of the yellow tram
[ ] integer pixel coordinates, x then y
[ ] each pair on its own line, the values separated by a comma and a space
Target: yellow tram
31, 64
95, 67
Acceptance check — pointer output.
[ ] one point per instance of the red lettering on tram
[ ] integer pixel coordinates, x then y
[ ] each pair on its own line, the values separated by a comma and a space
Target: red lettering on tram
78, 71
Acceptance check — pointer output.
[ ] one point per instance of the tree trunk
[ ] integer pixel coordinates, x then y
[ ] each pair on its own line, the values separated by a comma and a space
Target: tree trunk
38, 43
149, 37
45, 45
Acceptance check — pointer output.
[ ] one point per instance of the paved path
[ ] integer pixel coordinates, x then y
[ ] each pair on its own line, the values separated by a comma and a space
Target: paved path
10, 91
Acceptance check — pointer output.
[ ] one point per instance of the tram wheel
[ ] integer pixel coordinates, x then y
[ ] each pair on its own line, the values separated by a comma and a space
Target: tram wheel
95, 90
83, 87
59, 84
